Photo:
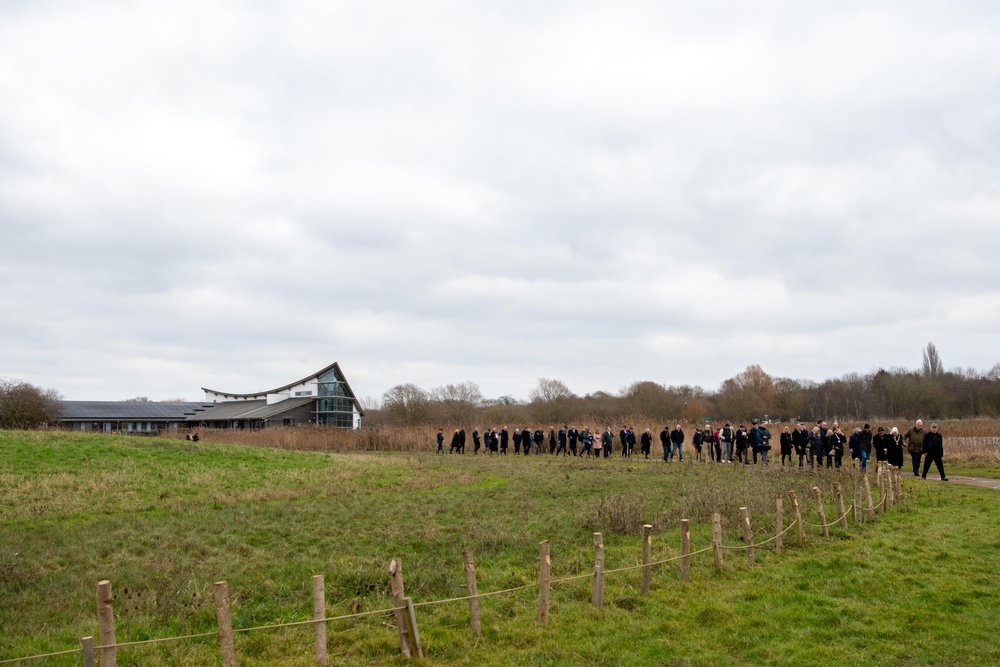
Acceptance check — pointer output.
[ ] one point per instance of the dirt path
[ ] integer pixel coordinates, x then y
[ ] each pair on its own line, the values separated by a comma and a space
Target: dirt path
974, 481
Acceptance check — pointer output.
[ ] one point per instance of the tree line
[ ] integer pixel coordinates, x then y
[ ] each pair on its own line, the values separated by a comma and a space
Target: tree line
930, 392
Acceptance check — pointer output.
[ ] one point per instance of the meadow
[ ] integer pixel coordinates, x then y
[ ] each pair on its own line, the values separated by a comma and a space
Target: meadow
163, 518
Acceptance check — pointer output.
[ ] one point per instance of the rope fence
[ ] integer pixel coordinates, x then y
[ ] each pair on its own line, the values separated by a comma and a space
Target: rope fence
888, 480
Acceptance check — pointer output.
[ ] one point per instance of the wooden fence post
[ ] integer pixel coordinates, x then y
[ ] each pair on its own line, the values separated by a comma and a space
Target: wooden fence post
399, 604
822, 512
598, 592
858, 516
685, 550
899, 488
647, 556
838, 492
87, 643
800, 535
890, 487
883, 491
319, 615
225, 619
106, 621
544, 573
748, 535
717, 539
869, 505
779, 524
473, 589
411, 628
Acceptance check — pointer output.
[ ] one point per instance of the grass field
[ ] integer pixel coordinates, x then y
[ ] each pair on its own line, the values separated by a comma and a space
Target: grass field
164, 518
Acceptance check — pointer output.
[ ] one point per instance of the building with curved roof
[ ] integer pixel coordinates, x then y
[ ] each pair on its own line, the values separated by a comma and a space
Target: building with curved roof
324, 398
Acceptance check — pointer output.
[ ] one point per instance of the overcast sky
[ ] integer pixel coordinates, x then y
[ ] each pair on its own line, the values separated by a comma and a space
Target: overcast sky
235, 194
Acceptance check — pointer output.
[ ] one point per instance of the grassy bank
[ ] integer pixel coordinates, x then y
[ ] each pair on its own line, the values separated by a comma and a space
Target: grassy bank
165, 518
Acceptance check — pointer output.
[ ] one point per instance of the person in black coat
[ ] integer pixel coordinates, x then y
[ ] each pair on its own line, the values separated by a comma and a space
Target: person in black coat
526, 441
785, 441
476, 444
800, 442
933, 452
880, 443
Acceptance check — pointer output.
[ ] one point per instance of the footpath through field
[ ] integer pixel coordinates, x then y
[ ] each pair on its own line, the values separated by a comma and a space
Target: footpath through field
975, 481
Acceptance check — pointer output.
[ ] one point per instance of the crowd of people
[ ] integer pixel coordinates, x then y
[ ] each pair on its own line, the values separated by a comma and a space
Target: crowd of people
817, 446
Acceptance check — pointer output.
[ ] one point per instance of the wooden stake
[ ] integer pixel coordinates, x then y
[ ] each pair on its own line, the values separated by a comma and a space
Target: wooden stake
869, 505
88, 651
544, 573
858, 516
399, 602
800, 534
472, 587
319, 615
411, 628
685, 550
106, 621
225, 619
890, 488
822, 512
838, 492
779, 523
598, 589
717, 540
883, 492
747, 535
647, 557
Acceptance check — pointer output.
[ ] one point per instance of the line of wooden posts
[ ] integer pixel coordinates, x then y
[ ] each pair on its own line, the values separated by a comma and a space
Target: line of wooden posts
889, 483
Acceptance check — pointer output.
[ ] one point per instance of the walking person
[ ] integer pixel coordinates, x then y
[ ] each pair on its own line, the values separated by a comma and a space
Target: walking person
696, 441
475, 441
526, 441
646, 443
677, 442
865, 446
837, 442
742, 440
895, 456
816, 447
763, 442
800, 443
785, 442
914, 440
440, 439
934, 451
607, 441
552, 440
665, 442
880, 443
726, 440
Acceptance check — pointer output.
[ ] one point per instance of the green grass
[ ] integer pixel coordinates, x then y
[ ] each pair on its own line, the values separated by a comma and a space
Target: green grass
165, 518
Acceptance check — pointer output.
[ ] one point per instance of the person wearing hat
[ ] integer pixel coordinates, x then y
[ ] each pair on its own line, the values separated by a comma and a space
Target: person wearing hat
880, 442
934, 451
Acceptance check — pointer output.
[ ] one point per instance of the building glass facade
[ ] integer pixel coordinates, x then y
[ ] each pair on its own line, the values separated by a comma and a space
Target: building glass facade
334, 405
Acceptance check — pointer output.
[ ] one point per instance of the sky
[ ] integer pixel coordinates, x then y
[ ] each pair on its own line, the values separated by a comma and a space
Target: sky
234, 195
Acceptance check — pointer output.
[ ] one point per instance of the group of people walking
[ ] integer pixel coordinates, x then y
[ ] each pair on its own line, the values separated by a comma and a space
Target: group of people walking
814, 447
830, 443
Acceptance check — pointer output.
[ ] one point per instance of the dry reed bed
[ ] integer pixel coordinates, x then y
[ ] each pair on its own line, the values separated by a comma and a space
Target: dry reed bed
975, 441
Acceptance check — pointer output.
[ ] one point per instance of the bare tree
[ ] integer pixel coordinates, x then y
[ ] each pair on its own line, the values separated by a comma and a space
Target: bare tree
406, 404
24, 406
551, 400
460, 401
933, 367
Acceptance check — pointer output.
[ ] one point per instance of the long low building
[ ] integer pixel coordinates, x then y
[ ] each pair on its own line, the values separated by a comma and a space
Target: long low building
323, 398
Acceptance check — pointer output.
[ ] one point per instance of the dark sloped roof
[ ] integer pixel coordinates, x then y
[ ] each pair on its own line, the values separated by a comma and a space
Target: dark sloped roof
258, 409
230, 410
129, 411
